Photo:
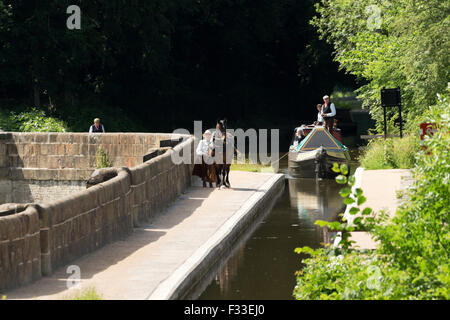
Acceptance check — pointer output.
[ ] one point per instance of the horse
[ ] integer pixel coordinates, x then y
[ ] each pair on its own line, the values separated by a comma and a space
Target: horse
223, 166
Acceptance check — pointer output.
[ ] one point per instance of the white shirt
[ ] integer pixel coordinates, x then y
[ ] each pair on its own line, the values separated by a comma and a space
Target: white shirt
203, 147
319, 117
333, 110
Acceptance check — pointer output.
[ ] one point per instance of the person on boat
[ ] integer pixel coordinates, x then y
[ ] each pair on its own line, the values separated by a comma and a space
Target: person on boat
97, 127
299, 136
206, 169
328, 113
319, 121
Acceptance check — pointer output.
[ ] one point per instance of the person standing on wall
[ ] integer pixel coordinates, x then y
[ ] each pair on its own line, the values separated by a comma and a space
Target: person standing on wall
328, 113
97, 127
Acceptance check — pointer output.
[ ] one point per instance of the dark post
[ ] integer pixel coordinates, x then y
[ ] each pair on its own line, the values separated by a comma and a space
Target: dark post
391, 98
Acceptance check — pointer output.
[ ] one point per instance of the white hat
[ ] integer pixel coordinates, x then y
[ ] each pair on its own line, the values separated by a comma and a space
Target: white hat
326, 97
207, 132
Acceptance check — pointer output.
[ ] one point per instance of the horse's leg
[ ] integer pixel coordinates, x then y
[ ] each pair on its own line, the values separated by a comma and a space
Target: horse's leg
218, 173
227, 180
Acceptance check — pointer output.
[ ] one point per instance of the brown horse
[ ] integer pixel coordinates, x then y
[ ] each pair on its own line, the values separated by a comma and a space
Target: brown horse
221, 143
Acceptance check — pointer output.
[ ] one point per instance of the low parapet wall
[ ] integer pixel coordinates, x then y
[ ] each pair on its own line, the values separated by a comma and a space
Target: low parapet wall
20, 252
74, 150
77, 224
36, 167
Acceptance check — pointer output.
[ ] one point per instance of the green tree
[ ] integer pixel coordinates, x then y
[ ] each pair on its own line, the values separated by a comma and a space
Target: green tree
409, 48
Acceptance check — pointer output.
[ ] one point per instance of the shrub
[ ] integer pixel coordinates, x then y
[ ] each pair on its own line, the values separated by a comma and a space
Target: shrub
33, 120
102, 159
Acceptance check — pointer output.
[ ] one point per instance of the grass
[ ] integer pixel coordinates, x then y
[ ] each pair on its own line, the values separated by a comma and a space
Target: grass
85, 294
392, 153
251, 167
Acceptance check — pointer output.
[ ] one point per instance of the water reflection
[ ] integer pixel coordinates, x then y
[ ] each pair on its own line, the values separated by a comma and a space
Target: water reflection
263, 266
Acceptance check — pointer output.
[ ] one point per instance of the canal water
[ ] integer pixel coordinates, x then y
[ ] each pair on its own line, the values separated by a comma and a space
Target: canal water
263, 266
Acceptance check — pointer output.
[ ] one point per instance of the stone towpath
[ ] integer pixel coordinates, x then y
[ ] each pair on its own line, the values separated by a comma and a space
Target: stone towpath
135, 267
380, 188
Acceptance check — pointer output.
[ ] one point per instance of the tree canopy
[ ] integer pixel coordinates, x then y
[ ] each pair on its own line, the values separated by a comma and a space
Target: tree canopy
160, 64
389, 43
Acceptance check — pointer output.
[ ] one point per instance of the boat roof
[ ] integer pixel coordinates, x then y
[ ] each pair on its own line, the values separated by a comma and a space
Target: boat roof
320, 136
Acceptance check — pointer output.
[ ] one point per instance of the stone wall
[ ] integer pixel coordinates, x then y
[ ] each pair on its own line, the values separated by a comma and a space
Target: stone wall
20, 253
74, 150
47, 166
76, 224
27, 191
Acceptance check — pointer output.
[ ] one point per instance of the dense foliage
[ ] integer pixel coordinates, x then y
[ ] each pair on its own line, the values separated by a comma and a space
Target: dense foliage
412, 260
30, 121
161, 64
390, 43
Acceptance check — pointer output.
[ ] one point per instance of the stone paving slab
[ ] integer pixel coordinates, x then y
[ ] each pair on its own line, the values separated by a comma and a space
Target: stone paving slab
380, 188
133, 268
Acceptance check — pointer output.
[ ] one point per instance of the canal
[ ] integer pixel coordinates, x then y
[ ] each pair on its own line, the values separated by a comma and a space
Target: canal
263, 265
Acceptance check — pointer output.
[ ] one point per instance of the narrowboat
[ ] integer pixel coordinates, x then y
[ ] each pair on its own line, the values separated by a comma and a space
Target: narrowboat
315, 155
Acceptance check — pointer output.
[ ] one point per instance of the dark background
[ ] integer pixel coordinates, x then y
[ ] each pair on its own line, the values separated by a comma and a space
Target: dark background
159, 65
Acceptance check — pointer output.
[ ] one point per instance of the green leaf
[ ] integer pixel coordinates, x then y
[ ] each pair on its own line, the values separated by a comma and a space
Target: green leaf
366, 211
322, 223
351, 180
341, 179
359, 192
335, 167
358, 220
349, 200
361, 200
344, 169
305, 249
335, 225
345, 192
354, 210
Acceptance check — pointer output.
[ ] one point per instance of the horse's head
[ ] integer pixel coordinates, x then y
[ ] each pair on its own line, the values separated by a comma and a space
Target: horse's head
222, 125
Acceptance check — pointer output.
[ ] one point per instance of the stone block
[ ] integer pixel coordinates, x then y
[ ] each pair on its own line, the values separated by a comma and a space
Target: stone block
29, 174
4, 161
41, 138
81, 162
11, 149
25, 137
64, 138
84, 149
6, 137
72, 149
92, 149
67, 162
45, 149
52, 137
3, 149
29, 162
53, 162
60, 149
47, 174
